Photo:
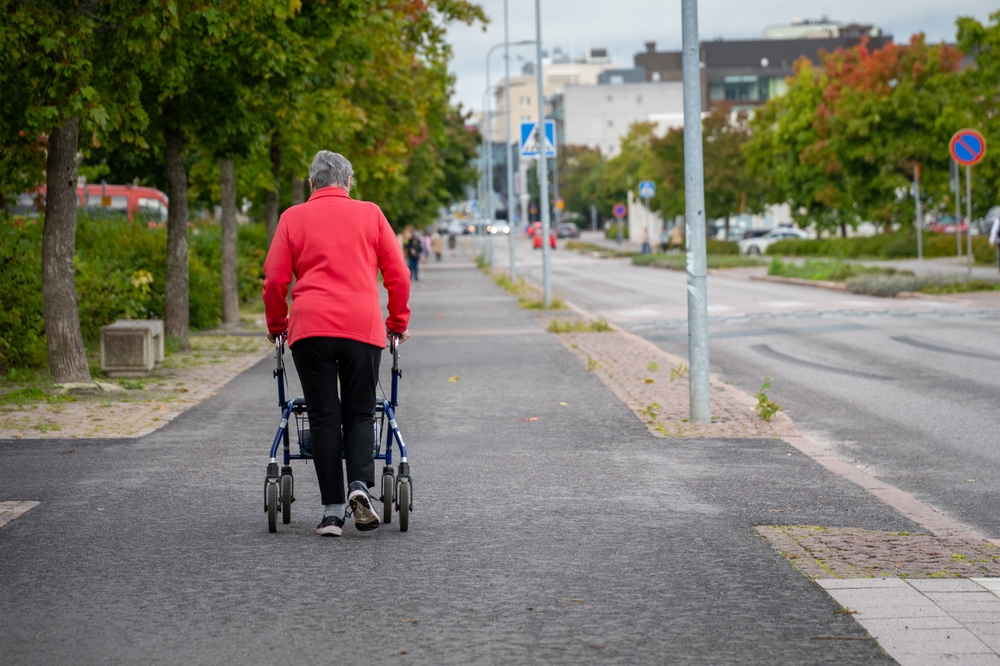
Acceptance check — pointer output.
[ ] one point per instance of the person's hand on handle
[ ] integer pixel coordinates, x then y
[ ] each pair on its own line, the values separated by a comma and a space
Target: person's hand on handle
400, 337
272, 337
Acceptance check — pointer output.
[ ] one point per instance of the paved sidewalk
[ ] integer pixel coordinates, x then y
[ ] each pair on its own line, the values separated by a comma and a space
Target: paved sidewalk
550, 526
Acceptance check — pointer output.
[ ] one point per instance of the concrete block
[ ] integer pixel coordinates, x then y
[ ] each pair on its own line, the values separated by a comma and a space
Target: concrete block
156, 330
127, 351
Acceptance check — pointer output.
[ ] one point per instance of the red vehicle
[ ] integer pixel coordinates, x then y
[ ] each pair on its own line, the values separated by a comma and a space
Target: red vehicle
127, 199
536, 236
946, 225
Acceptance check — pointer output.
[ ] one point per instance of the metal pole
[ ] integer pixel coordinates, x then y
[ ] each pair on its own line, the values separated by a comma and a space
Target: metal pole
968, 216
490, 198
510, 159
694, 194
543, 176
593, 217
956, 187
920, 219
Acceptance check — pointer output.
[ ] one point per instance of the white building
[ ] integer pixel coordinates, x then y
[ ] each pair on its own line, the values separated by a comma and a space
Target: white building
598, 116
559, 71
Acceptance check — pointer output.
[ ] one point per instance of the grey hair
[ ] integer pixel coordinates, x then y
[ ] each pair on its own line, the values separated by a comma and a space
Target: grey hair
328, 169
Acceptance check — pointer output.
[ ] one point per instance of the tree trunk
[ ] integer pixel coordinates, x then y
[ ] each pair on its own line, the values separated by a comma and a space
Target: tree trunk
63, 338
176, 307
727, 227
298, 190
271, 205
843, 229
230, 289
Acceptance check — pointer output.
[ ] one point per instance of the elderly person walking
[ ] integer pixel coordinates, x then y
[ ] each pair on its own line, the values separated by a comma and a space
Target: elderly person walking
334, 247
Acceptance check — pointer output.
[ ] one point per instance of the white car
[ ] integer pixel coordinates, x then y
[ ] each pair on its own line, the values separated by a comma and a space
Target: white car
759, 245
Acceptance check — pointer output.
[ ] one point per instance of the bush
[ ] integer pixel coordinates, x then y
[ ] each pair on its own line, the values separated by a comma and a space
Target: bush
874, 284
900, 245
713, 246
120, 273
611, 231
836, 270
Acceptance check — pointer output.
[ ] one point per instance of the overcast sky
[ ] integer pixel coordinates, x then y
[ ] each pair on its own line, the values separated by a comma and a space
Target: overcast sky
623, 26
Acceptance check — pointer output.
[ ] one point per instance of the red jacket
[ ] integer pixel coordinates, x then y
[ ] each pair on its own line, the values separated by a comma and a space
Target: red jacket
335, 246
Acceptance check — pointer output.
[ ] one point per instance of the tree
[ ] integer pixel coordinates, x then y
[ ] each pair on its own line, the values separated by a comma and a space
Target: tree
978, 102
840, 147
66, 67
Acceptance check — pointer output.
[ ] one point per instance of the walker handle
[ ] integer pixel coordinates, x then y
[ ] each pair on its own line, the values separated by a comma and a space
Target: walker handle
394, 348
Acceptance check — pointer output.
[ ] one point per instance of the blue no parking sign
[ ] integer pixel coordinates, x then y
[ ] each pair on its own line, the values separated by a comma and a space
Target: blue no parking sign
967, 147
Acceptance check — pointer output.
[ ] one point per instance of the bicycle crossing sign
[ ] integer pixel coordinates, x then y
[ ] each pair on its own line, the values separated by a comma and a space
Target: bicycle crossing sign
529, 139
647, 189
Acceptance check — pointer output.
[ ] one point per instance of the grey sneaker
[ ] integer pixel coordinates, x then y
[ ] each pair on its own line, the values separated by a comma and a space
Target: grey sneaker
365, 516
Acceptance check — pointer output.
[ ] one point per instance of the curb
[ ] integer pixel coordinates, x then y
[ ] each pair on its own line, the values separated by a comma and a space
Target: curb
819, 284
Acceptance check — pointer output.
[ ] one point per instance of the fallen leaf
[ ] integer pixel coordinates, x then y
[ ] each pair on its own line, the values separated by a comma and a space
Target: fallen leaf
575, 599
564, 404
846, 611
970, 480
648, 380
410, 621
453, 379
100, 509
402, 652
530, 418
529, 608
595, 647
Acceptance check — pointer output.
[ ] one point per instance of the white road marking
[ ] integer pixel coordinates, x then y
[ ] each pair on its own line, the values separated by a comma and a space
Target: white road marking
11, 510
638, 312
785, 304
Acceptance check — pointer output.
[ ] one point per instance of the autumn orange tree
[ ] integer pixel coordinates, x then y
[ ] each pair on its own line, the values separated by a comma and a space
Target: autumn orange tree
841, 146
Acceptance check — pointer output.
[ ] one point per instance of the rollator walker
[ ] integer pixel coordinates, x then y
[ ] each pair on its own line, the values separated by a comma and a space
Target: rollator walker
279, 485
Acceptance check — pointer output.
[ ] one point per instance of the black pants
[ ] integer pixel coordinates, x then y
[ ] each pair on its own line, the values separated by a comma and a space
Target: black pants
319, 361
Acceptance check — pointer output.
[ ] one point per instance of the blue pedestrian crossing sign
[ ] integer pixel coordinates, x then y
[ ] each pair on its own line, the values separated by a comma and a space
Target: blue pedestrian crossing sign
647, 189
529, 139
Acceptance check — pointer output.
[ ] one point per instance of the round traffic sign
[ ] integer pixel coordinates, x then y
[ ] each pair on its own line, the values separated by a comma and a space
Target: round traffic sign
967, 147
560, 204
619, 210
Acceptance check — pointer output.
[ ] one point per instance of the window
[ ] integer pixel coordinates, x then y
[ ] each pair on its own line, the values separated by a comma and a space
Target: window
656, 77
616, 79
739, 89
525, 100
153, 208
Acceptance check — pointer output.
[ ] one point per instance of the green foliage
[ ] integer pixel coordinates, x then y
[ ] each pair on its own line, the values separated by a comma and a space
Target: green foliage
120, 273
678, 262
611, 231
721, 247
876, 284
558, 325
834, 271
900, 245
766, 408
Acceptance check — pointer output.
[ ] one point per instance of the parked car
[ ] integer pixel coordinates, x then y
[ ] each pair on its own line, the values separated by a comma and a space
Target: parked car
759, 245
946, 225
567, 230
753, 233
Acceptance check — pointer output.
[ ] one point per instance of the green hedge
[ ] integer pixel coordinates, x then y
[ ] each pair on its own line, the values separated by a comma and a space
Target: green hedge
611, 231
120, 273
900, 245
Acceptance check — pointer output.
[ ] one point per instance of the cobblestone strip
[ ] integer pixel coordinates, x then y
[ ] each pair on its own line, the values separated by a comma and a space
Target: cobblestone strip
11, 510
182, 382
847, 552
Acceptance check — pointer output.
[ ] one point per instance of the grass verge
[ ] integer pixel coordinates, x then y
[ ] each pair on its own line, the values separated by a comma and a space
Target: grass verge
678, 262
578, 326
605, 252
832, 270
529, 296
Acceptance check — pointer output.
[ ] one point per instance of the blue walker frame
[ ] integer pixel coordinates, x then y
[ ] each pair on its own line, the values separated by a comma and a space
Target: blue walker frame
279, 484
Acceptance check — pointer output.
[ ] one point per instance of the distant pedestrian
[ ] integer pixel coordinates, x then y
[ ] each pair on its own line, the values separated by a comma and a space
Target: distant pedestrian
644, 241
436, 246
664, 241
677, 237
994, 234
413, 248
425, 243
452, 242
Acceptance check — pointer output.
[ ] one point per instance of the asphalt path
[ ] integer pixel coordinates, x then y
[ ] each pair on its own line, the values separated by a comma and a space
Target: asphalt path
574, 538
906, 388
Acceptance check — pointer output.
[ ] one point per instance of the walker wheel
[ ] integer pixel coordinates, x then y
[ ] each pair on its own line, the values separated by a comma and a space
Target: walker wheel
388, 485
286, 499
404, 505
272, 506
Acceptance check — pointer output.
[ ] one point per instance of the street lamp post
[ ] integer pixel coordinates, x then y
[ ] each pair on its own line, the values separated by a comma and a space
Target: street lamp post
694, 196
510, 157
543, 176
